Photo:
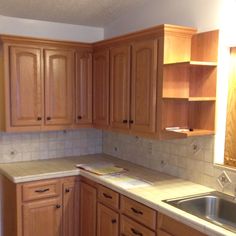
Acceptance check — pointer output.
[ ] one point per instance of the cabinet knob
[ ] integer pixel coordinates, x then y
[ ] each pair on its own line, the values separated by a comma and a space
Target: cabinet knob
113, 221
58, 206
67, 190
79, 117
131, 121
136, 232
49, 118
125, 121
39, 118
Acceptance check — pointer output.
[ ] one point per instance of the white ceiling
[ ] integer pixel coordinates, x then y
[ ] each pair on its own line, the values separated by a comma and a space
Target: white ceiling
80, 12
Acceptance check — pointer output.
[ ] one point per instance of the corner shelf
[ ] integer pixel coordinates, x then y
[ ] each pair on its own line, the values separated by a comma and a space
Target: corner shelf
192, 99
193, 63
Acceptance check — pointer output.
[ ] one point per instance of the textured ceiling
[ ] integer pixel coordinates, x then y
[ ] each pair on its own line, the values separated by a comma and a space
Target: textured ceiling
80, 12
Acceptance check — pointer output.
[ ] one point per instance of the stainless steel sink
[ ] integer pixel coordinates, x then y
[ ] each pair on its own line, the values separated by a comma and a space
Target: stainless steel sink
216, 207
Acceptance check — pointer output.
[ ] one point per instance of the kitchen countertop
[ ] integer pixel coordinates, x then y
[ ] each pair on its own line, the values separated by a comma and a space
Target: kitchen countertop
159, 186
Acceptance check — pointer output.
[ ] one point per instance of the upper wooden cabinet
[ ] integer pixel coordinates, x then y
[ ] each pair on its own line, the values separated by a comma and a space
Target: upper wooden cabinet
59, 85
120, 86
38, 87
101, 88
144, 86
26, 86
83, 88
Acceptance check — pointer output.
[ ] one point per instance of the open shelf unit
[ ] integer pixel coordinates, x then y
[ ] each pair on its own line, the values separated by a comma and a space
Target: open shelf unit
189, 89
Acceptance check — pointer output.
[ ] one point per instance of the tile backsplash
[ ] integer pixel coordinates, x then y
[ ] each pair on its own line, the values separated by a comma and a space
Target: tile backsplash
191, 158
43, 145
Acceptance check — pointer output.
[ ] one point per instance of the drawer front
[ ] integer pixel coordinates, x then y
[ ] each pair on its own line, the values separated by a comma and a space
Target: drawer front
108, 197
139, 212
175, 228
163, 233
131, 228
41, 189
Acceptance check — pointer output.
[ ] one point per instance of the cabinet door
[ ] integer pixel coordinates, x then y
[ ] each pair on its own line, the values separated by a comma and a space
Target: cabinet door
120, 87
26, 91
42, 218
101, 88
83, 88
70, 208
88, 195
144, 81
59, 83
108, 221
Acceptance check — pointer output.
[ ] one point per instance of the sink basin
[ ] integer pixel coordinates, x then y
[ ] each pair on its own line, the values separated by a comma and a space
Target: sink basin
216, 207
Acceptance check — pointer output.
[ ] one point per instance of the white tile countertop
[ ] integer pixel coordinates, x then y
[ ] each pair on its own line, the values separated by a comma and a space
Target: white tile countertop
159, 186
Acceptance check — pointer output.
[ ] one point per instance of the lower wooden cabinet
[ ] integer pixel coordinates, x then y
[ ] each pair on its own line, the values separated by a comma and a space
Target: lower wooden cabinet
88, 205
107, 221
42, 218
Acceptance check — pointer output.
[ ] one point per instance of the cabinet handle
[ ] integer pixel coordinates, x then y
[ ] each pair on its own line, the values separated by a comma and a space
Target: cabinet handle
79, 117
42, 190
107, 196
125, 121
39, 118
67, 190
58, 206
113, 221
49, 118
131, 121
136, 211
136, 232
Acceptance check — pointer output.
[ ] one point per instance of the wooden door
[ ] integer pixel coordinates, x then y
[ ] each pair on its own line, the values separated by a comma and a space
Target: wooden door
144, 81
120, 87
59, 85
108, 221
83, 88
88, 213
26, 93
70, 209
101, 88
42, 218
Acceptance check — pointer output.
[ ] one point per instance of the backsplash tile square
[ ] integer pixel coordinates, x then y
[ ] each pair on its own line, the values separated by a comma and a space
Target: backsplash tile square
34, 146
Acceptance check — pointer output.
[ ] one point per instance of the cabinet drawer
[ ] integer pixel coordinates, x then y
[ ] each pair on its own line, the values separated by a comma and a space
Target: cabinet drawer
163, 233
131, 228
108, 196
41, 189
139, 212
175, 228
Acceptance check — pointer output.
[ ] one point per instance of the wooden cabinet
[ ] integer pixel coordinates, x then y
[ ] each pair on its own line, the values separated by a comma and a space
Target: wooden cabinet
107, 221
120, 59
83, 88
144, 86
42, 218
101, 88
59, 85
189, 87
88, 209
26, 87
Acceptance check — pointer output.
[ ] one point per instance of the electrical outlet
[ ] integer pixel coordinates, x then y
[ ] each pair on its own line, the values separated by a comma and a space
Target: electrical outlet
223, 179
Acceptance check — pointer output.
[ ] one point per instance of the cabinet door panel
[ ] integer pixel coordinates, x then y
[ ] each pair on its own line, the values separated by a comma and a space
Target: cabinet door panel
108, 221
84, 88
88, 212
101, 88
26, 91
144, 79
59, 83
120, 87
70, 209
42, 218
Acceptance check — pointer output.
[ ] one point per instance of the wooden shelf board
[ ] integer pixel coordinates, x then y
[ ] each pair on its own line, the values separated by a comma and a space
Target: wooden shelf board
195, 132
193, 63
192, 99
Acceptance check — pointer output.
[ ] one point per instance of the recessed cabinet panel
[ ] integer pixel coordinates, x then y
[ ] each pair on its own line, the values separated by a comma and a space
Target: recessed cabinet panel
143, 82
120, 87
101, 88
26, 91
83, 88
59, 80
